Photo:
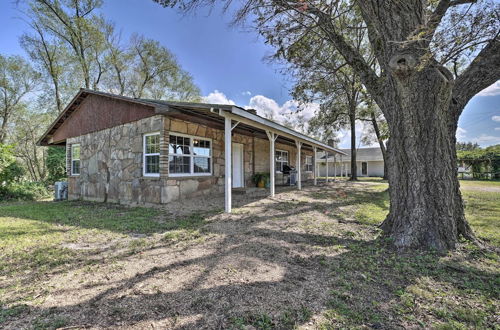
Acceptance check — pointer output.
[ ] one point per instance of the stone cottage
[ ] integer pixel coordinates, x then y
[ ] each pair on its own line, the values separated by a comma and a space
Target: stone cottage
143, 152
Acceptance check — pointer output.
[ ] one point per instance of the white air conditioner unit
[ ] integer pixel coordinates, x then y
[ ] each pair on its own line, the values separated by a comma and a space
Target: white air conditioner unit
60, 190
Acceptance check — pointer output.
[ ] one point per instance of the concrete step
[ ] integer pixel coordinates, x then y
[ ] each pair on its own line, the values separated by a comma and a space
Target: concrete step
248, 191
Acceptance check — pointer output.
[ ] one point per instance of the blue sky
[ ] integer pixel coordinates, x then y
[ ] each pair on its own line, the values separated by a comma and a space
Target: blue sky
228, 64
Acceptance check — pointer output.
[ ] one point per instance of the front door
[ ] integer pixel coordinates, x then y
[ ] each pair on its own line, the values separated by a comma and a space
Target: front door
237, 165
364, 168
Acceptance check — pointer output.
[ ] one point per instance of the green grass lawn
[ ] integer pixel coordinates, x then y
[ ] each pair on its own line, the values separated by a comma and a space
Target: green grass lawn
41, 238
372, 286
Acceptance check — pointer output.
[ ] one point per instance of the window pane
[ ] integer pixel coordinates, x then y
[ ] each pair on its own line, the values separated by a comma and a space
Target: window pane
153, 144
179, 164
178, 145
201, 165
75, 151
152, 165
201, 148
75, 167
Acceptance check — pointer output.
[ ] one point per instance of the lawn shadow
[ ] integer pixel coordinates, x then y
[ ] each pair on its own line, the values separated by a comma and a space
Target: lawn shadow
262, 270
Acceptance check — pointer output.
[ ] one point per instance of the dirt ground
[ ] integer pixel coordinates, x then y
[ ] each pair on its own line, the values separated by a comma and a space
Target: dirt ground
264, 258
272, 259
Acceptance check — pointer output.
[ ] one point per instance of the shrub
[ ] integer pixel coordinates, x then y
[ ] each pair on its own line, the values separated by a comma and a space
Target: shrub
56, 164
23, 191
10, 169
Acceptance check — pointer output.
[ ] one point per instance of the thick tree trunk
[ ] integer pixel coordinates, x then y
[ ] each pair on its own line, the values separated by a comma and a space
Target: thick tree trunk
354, 167
426, 206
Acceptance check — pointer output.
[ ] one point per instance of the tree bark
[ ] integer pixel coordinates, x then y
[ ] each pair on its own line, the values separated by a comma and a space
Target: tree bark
352, 120
426, 205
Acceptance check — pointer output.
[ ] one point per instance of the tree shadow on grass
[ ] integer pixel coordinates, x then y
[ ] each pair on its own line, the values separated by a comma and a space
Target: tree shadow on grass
263, 273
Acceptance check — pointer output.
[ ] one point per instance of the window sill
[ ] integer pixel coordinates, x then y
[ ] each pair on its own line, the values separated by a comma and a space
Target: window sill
188, 177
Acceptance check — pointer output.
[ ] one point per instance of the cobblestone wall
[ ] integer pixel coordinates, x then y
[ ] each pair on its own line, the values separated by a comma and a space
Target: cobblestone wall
112, 159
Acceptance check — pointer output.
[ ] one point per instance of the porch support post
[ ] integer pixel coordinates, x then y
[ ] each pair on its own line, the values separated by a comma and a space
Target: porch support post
335, 166
272, 138
326, 153
298, 166
314, 162
341, 166
228, 166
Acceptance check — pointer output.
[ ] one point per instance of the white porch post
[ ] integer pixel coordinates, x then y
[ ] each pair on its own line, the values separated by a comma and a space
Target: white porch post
341, 167
335, 167
299, 171
272, 138
314, 170
326, 153
228, 166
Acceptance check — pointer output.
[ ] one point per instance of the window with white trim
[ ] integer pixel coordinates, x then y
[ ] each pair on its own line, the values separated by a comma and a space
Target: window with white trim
309, 164
189, 155
281, 160
151, 161
75, 159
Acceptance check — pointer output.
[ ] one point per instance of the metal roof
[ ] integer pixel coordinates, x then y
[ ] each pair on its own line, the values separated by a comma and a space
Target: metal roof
251, 123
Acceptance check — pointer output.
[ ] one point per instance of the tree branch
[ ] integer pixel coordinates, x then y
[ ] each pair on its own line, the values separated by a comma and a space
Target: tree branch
368, 77
427, 32
481, 73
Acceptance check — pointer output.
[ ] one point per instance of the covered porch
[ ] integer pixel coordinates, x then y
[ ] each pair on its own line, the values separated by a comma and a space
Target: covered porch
234, 121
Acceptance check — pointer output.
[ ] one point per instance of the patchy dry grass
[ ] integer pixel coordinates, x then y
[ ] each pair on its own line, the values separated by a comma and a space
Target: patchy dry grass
310, 259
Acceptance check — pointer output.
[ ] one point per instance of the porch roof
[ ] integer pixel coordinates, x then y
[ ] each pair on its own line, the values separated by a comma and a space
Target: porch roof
248, 122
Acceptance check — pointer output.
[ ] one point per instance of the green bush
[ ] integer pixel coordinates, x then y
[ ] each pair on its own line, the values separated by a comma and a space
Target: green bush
56, 164
10, 169
23, 191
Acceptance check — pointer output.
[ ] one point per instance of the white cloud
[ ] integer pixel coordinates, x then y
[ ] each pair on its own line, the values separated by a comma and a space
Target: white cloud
486, 140
497, 128
461, 133
246, 93
495, 118
290, 113
491, 90
362, 128
217, 97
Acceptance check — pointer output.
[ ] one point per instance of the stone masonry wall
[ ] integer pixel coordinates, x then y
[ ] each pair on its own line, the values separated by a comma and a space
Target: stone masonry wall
111, 163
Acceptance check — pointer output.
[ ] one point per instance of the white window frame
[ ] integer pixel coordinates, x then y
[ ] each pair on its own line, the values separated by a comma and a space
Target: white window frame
144, 154
192, 156
287, 159
307, 164
73, 159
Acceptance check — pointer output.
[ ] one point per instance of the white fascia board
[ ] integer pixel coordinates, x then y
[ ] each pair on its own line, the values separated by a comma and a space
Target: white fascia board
245, 114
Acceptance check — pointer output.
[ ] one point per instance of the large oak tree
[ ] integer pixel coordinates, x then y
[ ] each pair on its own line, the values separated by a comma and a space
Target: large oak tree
432, 57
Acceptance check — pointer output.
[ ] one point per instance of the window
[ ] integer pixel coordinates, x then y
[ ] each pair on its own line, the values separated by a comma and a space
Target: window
188, 155
281, 160
364, 168
151, 166
75, 159
309, 164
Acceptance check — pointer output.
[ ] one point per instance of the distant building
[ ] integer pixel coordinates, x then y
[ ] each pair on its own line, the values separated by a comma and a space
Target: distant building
370, 162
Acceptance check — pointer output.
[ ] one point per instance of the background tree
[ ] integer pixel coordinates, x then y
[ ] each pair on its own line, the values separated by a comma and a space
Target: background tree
414, 41
467, 146
378, 131
323, 76
71, 45
17, 80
